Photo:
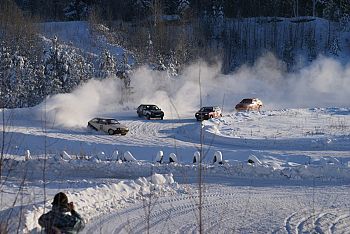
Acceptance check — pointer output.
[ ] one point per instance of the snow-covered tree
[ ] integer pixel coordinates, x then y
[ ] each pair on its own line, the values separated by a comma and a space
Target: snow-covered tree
56, 70
124, 73
65, 68
107, 65
76, 10
332, 10
311, 47
334, 47
288, 55
18, 87
144, 4
124, 70
345, 23
172, 65
6, 65
182, 6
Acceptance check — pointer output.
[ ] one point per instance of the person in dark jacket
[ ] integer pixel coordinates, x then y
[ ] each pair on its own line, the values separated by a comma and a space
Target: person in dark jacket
58, 220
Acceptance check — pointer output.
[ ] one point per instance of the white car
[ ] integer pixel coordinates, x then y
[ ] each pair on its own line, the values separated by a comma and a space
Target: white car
108, 125
248, 104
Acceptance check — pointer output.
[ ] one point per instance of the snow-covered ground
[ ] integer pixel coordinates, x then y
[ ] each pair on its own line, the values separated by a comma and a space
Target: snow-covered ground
299, 181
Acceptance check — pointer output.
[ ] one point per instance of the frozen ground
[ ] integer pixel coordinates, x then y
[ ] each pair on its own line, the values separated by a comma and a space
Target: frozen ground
298, 183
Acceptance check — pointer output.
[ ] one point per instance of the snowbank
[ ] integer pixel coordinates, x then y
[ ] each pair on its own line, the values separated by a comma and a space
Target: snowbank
325, 168
107, 198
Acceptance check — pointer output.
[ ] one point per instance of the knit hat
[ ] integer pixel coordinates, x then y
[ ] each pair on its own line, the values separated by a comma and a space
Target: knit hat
60, 199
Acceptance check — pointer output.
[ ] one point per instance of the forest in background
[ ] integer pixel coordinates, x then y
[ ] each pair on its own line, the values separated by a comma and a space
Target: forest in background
164, 35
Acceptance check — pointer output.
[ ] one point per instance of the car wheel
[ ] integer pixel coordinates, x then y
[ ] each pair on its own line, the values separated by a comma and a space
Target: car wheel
123, 134
161, 118
139, 115
110, 131
148, 116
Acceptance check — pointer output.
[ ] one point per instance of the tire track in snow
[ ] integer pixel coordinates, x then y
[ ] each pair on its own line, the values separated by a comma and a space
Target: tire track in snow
331, 221
164, 211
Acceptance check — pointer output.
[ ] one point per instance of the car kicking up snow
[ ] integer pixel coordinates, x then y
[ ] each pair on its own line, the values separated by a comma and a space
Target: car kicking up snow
208, 112
150, 111
110, 126
248, 104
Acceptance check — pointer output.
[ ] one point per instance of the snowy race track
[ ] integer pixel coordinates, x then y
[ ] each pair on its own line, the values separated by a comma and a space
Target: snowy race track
299, 185
231, 209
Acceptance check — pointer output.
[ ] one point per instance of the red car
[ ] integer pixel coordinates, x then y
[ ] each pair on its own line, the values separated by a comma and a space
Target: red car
248, 104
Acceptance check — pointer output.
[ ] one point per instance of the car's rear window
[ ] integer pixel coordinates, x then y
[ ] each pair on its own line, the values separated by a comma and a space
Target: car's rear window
248, 100
207, 109
152, 108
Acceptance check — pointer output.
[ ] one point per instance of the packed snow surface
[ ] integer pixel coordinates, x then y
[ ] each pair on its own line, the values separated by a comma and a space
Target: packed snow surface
276, 171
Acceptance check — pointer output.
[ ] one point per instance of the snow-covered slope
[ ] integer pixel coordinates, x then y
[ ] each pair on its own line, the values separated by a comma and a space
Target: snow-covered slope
80, 34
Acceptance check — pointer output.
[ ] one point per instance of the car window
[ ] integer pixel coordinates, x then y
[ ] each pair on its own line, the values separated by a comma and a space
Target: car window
206, 109
247, 101
152, 108
112, 121
103, 121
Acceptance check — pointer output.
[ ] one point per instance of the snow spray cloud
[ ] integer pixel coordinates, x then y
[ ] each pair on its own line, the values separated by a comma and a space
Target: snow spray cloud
92, 99
324, 83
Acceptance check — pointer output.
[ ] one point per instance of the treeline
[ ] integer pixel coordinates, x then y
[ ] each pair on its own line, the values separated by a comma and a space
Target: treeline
31, 67
165, 35
129, 10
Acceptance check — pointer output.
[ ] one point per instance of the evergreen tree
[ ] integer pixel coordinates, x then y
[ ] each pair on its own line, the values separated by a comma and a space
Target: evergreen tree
76, 10
5, 74
107, 65
288, 55
65, 68
335, 48
55, 68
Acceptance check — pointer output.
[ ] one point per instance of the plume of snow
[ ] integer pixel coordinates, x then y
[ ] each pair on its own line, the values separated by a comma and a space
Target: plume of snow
323, 83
